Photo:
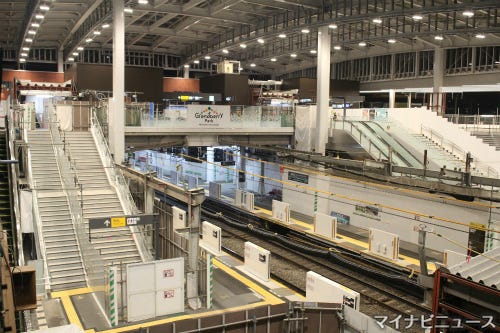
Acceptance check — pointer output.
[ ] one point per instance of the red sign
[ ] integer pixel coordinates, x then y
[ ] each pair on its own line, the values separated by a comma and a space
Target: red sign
167, 273
282, 169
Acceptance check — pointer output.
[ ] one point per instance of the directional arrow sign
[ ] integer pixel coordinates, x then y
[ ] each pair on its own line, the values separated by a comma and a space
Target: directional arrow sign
120, 221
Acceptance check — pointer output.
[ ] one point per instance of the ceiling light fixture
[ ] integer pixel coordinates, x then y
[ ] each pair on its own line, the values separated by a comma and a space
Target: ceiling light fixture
75, 54
26, 48
468, 13
332, 26
97, 32
293, 55
207, 57
362, 44
35, 25
282, 36
305, 31
88, 40
28, 40
31, 32
22, 60
480, 36
44, 7
243, 46
273, 59
377, 20
313, 51
71, 59
196, 62
225, 51
438, 37
260, 41
143, 2
80, 48
391, 41
186, 66
337, 47
105, 25
39, 16
24, 54
128, 10
252, 65
417, 17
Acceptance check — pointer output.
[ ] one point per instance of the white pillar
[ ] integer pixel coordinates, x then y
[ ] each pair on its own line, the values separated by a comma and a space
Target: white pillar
211, 168
149, 199
186, 72
323, 90
392, 99
438, 80
60, 61
117, 107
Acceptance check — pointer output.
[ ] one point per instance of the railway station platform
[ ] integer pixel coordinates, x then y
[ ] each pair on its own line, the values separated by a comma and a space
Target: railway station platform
235, 290
348, 236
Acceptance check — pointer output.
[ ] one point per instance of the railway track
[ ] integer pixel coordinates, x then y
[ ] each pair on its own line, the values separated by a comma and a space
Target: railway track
289, 266
398, 296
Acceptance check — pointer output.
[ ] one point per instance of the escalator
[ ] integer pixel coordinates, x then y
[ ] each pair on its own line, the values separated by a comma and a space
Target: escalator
402, 153
6, 205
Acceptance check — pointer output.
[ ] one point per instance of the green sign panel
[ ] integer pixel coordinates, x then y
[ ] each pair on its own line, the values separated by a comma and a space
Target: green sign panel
298, 177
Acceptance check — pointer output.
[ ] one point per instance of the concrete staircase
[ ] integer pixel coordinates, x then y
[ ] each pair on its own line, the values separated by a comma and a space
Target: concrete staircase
62, 253
100, 199
490, 138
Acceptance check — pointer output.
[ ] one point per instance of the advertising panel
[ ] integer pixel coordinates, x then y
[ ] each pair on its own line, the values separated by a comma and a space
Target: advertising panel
208, 116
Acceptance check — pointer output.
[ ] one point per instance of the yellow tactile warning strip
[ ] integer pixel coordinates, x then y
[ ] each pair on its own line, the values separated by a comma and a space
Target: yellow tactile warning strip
404, 262
268, 299
70, 310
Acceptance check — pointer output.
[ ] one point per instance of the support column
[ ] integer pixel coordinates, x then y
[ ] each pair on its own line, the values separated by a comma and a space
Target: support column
149, 199
186, 72
392, 99
60, 61
438, 80
323, 90
243, 166
117, 107
195, 200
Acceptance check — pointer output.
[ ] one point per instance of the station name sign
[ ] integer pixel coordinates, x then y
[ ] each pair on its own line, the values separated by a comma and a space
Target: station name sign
121, 221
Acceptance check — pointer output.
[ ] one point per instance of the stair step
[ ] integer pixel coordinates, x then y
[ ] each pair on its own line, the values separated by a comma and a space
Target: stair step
66, 267
73, 255
68, 284
52, 262
79, 273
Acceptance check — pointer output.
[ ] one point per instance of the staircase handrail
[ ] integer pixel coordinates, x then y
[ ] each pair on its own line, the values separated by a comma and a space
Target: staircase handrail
36, 213
371, 148
93, 264
456, 150
15, 192
118, 182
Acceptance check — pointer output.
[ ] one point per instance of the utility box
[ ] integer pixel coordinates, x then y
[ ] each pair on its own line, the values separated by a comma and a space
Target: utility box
24, 279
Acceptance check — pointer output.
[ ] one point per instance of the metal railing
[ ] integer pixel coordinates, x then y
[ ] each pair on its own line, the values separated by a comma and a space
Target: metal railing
475, 122
458, 152
117, 180
15, 192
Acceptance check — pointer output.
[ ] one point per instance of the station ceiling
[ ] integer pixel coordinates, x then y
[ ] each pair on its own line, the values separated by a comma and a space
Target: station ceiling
275, 35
